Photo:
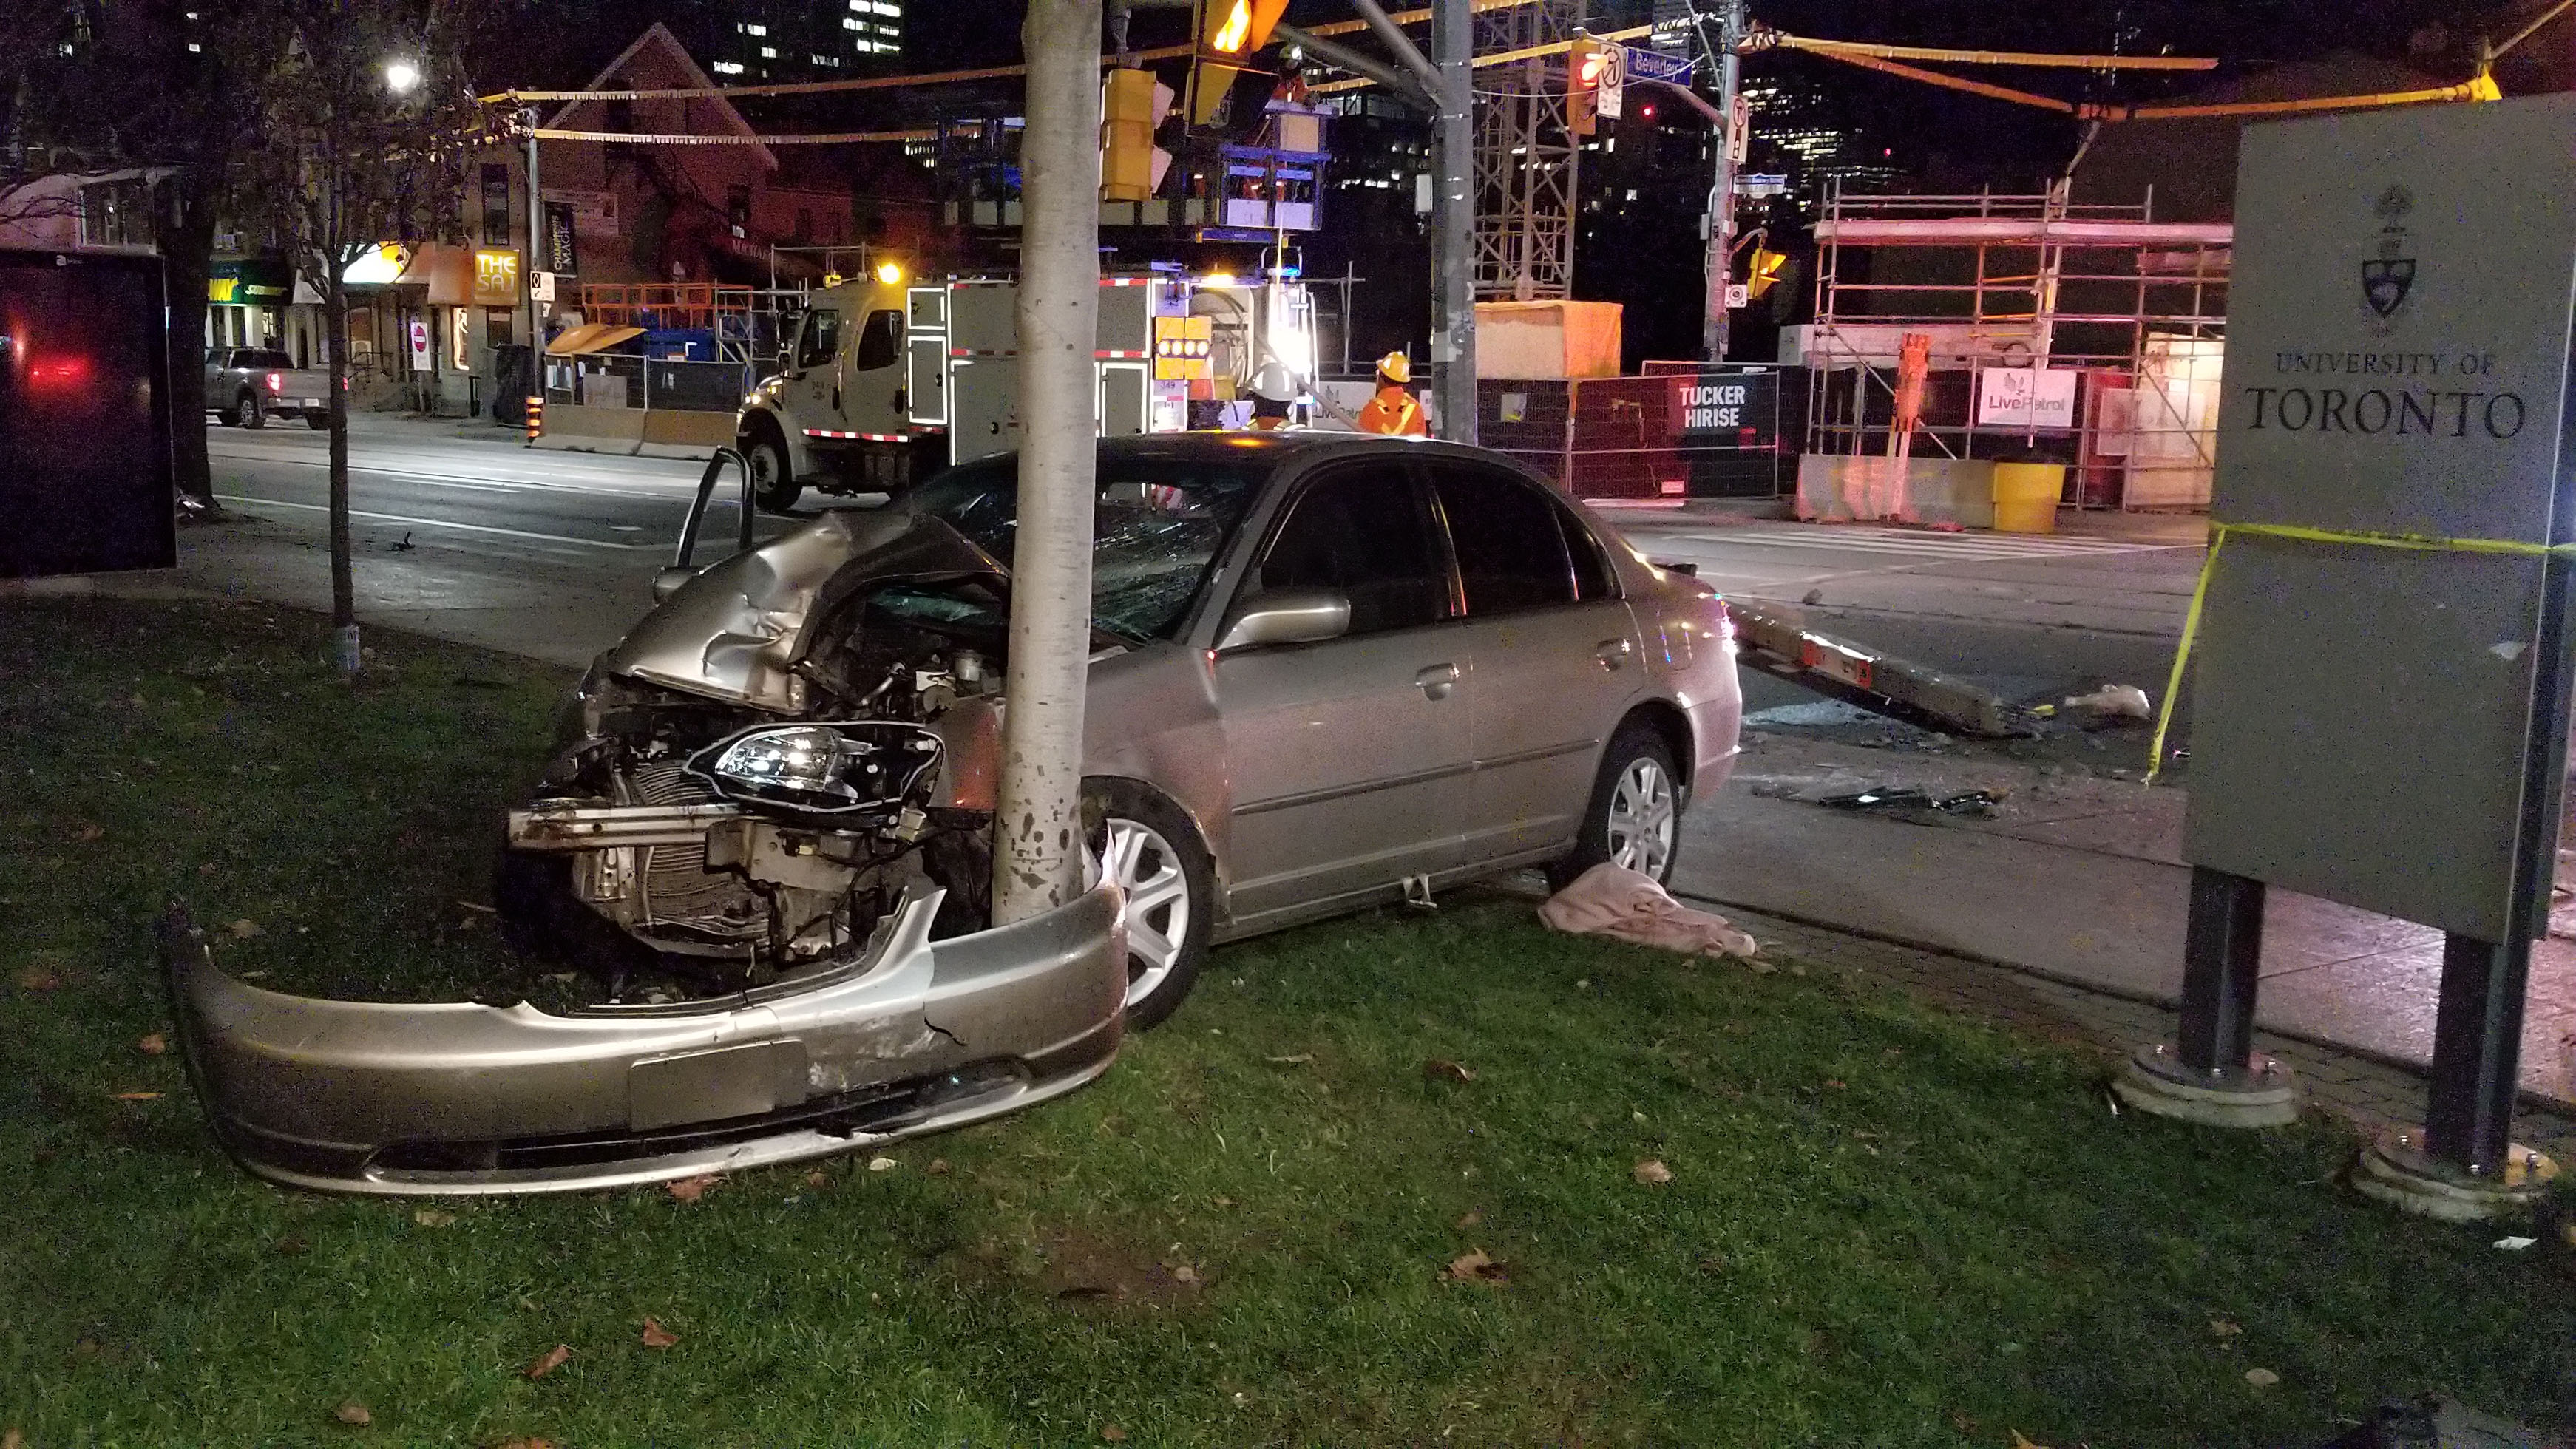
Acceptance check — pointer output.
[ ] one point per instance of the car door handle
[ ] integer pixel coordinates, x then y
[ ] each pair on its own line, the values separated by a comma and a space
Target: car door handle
1613, 652
1437, 680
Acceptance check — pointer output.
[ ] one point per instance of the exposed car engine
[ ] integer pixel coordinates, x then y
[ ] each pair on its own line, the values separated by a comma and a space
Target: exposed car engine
726, 846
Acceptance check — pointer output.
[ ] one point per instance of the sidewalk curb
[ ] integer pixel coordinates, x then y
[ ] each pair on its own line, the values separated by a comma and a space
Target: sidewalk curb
2525, 1098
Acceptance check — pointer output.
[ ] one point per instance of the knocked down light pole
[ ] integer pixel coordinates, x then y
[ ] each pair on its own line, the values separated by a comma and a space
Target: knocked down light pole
1037, 831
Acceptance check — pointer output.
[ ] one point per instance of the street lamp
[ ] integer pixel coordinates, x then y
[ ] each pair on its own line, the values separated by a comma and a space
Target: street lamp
402, 77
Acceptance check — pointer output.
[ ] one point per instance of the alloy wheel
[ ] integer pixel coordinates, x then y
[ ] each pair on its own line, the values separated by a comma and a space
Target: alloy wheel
1157, 909
1644, 818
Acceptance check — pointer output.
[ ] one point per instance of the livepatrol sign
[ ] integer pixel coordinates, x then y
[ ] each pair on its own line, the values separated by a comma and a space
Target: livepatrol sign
2377, 724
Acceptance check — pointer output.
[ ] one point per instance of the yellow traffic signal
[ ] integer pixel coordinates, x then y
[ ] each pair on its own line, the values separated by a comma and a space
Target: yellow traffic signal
1765, 272
1585, 60
1238, 27
1132, 104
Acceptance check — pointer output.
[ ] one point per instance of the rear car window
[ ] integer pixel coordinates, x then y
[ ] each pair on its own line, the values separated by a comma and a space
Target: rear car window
1510, 542
255, 357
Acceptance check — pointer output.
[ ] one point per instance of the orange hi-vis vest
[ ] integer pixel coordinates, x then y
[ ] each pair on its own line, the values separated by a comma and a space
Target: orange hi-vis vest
1393, 412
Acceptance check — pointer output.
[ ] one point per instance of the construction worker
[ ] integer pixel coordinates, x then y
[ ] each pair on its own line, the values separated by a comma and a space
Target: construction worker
1274, 392
1393, 411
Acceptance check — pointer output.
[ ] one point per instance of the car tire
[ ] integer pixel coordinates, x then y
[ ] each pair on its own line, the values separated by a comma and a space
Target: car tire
1635, 815
773, 484
247, 413
1151, 848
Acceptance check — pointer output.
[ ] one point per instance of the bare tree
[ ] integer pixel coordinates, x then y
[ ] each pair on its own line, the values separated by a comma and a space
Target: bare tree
365, 122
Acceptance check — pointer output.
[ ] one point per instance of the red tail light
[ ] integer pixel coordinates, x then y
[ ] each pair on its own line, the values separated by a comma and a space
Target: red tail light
277, 382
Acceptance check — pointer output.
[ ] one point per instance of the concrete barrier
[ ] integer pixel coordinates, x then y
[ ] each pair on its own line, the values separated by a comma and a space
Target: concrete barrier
1849, 488
635, 432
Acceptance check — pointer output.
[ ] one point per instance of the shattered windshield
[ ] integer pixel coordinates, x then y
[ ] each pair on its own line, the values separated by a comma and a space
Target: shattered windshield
1158, 525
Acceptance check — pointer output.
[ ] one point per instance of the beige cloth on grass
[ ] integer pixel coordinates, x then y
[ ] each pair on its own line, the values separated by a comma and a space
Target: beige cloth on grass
1612, 900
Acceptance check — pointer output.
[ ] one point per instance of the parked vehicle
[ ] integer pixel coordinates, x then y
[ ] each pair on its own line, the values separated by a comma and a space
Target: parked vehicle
245, 386
1330, 670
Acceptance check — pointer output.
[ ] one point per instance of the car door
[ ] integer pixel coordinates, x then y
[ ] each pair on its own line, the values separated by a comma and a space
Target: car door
1349, 757
812, 375
1555, 653
870, 395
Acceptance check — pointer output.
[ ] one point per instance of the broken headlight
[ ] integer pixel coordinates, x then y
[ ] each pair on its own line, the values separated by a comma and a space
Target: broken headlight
829, 769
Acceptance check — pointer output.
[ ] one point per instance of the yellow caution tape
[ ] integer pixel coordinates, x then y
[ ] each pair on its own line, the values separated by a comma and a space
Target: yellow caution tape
2219, 532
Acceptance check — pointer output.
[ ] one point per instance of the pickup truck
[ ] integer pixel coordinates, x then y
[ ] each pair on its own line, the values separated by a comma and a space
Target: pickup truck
244, 385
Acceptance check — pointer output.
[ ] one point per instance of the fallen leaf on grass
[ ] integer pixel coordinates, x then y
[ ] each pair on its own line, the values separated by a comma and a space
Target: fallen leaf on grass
525, 1444
293, 1245
816, 1179
1185, 1274
353, 1413
1441, 1069
40, 978
2261, 1378
938, 1167
138, 1096
433, 1218
152, 1045
13, 1440
881, 1164
690, 1189
2020, 1441
656, 1336
1473, 1266
1299, 1060
89, 833
547, 1362
244, 929
2223, 1328
2515, 1245
1113, 1434
1652, 1171
1473, 1217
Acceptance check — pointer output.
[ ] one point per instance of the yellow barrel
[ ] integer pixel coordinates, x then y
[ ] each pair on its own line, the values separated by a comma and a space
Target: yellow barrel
2026, 496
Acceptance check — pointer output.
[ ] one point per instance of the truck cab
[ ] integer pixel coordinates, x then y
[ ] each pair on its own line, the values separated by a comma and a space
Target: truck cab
836, 418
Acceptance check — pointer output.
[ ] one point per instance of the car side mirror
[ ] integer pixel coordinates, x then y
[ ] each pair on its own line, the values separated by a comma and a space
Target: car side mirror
1286, 616
668, 581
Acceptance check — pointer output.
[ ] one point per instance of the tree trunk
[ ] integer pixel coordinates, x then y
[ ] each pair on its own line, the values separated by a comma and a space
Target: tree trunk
187, 255
344, 592
1037, 853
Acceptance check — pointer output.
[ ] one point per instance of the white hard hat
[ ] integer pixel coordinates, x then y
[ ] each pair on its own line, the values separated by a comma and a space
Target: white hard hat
1273, 381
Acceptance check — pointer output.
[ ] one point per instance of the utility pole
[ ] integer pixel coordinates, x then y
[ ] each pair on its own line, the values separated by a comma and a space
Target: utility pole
1721, 195
528, 277
1453, 215
1038, 833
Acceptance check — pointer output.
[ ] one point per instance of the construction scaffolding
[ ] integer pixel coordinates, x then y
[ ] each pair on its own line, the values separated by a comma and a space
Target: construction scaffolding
1525, 159
2087, 335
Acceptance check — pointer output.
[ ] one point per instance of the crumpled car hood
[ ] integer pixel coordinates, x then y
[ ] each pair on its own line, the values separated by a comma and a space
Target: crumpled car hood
735, 631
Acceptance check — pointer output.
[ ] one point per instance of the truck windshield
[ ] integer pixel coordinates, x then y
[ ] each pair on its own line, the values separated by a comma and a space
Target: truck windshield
1158, 526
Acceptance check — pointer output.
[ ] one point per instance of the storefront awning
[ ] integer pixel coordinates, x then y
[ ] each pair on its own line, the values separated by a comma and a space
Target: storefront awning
590, 337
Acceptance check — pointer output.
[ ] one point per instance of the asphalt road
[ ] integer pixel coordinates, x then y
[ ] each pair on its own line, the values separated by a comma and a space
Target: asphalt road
460, 532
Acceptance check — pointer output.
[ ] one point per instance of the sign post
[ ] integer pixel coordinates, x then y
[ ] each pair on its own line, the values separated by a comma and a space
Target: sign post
2381, 703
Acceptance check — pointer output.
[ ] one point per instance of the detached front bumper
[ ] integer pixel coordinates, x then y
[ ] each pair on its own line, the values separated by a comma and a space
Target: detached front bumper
908, 1036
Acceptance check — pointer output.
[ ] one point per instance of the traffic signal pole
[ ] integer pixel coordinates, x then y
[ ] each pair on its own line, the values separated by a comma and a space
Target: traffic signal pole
1721, 195
1453, 211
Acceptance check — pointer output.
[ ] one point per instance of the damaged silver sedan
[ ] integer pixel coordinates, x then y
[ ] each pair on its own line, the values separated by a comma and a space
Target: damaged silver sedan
1328, 671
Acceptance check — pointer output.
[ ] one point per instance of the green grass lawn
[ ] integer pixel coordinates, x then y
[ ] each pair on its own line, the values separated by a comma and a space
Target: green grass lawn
1883, 1226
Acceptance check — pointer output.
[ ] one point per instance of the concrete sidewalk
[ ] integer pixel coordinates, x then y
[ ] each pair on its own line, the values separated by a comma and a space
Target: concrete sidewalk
2080, 880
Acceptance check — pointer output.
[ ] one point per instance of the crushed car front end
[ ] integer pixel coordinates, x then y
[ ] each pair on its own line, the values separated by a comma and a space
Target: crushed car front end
904, 1035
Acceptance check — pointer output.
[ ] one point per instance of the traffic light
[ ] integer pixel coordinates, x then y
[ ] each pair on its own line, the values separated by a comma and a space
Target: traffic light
1586, 60
1238, 27
1765, 271
1132, 104
1221, 82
